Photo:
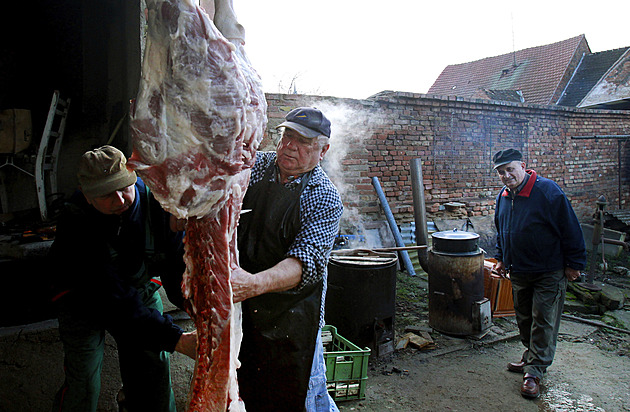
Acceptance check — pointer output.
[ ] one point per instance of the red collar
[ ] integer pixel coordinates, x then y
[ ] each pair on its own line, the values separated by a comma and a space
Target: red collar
527, 189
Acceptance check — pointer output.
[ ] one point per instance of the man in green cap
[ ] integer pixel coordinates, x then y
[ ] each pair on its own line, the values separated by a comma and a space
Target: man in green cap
110, 237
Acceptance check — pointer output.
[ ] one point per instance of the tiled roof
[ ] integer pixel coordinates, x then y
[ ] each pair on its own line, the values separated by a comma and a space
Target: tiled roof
590, 71
502, 95
537, 72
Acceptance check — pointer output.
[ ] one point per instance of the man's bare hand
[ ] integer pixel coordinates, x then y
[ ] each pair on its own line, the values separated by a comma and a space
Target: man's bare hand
243, 285
187, 344
571, 274
499, 268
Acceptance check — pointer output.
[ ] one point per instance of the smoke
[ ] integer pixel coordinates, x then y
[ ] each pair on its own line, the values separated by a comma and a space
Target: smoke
346, 158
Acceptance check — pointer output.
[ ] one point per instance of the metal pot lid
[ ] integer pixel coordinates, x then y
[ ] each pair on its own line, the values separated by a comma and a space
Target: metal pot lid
455, 235
362, 257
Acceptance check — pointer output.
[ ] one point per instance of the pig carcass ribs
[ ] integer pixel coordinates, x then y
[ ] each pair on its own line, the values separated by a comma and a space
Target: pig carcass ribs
198, 119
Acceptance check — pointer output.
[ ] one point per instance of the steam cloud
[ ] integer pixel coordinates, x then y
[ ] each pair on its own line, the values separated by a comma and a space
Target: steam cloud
350, 126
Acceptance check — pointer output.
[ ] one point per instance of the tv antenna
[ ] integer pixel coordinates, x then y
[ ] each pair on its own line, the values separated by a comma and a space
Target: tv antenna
513, 43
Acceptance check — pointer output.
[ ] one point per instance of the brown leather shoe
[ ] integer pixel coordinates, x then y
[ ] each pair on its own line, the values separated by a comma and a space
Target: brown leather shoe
531, 387
516, 366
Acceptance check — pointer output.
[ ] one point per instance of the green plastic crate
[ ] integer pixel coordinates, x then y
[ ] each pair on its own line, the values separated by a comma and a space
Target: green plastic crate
346, 366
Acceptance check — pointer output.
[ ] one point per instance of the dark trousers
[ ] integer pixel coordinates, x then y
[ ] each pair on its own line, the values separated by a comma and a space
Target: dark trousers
145, 374
538, 304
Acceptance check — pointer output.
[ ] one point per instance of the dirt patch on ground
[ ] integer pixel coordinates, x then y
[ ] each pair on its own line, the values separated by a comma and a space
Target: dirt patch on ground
590, 371
583, 378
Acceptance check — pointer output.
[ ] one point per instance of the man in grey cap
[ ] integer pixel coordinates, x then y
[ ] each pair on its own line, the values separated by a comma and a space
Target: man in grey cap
540, 246
110, 237
284, 243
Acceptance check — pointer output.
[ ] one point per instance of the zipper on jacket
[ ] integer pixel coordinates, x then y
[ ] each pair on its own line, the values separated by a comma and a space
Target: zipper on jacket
509, 266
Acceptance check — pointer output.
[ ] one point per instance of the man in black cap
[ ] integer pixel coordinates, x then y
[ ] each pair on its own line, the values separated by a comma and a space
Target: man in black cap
284, 243
109, 238
540, 246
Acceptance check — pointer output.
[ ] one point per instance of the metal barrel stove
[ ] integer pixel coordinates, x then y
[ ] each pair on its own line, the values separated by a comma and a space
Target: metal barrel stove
457, 305
361, 297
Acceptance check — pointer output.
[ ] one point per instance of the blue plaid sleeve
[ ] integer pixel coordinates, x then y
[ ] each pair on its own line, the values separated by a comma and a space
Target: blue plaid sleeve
321, 209
263, 159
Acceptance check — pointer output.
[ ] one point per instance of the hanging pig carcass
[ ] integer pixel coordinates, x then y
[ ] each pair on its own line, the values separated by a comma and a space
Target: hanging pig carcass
198, 119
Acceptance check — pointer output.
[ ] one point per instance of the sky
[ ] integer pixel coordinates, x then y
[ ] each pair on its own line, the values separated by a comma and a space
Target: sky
356, 48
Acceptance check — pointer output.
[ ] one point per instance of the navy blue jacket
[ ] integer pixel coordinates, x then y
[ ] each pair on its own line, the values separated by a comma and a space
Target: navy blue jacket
100, 260
537, 230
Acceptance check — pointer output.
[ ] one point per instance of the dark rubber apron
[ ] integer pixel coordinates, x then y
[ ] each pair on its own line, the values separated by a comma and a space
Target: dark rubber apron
279, 329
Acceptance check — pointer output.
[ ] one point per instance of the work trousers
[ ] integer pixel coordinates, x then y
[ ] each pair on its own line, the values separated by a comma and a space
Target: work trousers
538, 304
145, 374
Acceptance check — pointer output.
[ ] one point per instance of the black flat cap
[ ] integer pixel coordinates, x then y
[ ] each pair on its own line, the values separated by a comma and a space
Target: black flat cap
506, 156
308, 121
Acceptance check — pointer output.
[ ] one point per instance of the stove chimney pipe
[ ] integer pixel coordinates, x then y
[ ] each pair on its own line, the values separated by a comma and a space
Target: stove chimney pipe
419, 211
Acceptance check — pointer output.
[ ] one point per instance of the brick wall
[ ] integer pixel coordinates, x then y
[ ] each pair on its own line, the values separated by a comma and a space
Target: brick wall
455, 138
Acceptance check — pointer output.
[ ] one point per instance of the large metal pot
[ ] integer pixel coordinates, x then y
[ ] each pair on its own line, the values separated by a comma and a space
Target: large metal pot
456, 242
457, 305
